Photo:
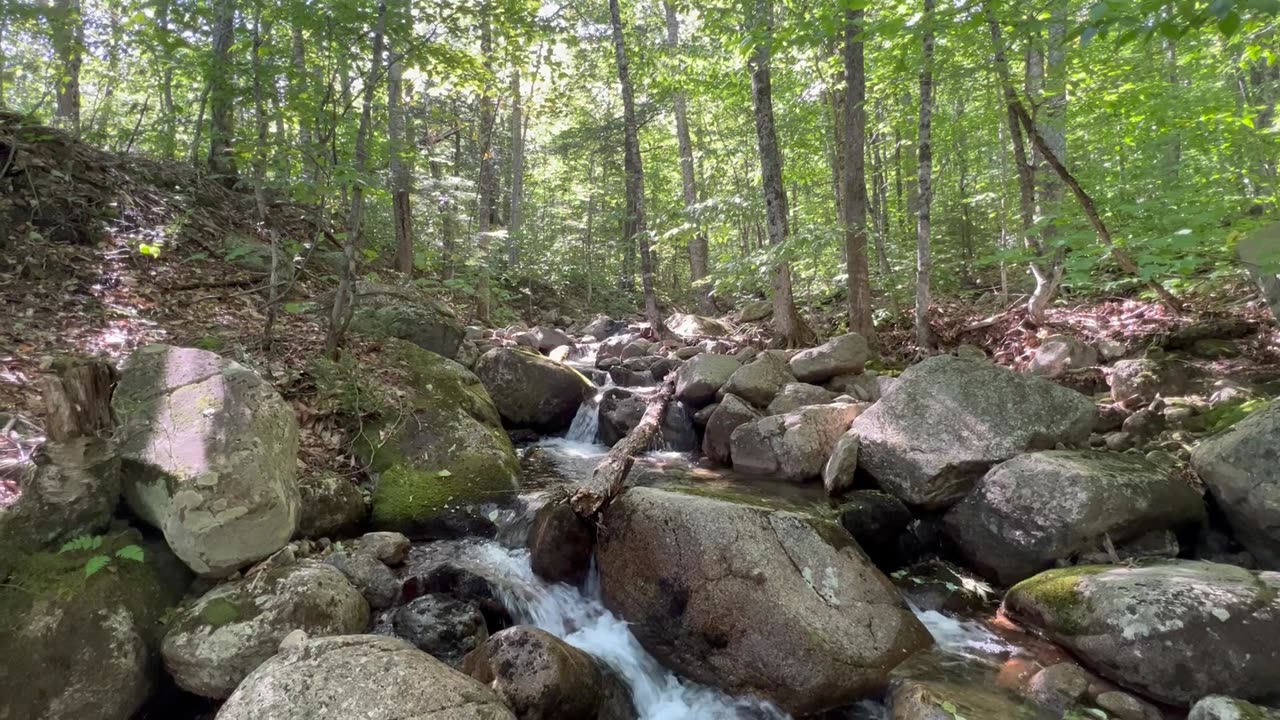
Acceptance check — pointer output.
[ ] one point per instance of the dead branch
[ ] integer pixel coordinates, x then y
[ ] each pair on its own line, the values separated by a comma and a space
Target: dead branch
609, 477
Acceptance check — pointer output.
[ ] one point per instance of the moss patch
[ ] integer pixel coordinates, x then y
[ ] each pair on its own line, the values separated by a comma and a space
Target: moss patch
1055, 596
226, 610
407, 496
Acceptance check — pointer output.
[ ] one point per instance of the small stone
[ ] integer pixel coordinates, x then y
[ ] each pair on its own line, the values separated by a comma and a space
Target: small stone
1060, 686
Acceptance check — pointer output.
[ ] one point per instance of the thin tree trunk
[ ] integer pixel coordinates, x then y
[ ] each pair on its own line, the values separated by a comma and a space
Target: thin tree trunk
591, 214
516, 220
198, 130
924, 261
791, 329
222, 161
68, 44
343, 299
259, 116
169, 119
857, 273
1047, 88
485, 190
401, 211
698, 251
298, 85
636, 231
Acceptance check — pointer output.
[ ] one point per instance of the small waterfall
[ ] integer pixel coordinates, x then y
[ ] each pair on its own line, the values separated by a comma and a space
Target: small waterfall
587, 422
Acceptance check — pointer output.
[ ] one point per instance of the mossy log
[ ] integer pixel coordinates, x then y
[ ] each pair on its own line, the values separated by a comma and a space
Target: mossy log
609, 477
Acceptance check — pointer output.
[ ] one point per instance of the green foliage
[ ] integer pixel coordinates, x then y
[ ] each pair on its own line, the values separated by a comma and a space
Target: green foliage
97, 563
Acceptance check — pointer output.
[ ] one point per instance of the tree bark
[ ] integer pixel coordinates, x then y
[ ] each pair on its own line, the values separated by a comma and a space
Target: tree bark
791, 329
485, 191
609, 478
343, 299
924, 261
169, 115
222, 161
698, 251
78, 401
68, 45
857, 269
515, 222
401, 211
634, 228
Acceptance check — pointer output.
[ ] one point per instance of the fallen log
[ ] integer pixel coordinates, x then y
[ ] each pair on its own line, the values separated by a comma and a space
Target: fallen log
610, 476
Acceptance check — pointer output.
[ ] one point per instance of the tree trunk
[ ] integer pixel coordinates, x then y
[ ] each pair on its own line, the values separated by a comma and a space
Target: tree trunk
343, 299
78, 401
924, 261
399, 138
169, 115
485, 191
588, 240
857, 271
259, 116
516, 220
610, 475
68, 46
698, 251
635, 229
1047, 89
791, 329
222, 160
298, 86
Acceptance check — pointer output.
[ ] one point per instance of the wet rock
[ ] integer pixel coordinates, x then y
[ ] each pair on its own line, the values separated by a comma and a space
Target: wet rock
1220, 707
79, 647
703, 416
840, 469
700, 377
717, 437
759, 381
547, 339
718, 591
1031, 511
561, 544
1145, 379
1241, 469
689, 325
838, 356
664, 367
212, 644
941, 586
445, 628
331, 506
1123, 706
360, 676
442, 455
390, 548
636, 348
374, 580
1155, 545
620, 412
640, 364
532, 391
1174, 631
1059, 354
876, 520
629, 378
389, 311
794, 396
464, 585
948, 420
541, 677
923, 688
792, 447
1059, 687
209, 456
610, 349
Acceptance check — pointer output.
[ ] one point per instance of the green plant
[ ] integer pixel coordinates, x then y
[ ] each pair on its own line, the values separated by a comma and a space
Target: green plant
101, 561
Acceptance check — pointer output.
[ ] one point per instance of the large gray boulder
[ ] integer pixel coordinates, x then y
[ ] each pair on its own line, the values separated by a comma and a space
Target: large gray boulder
531, 391
948, 420
717, 437
1059, 354
389, 311
213, 643
1221, 707
794, 396
1241, 469
760, 380
1141, 380
791, 447
547, 339
359, 676
541, 677
702, 375
754, 601
209, 453
838, 356
696, 326
1175, 631
1031, 511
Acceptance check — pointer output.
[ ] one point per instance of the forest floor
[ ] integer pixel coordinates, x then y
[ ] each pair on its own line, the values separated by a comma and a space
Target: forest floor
101, 254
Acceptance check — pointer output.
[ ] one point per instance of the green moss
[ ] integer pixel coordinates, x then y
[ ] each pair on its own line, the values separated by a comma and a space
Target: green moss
406, 495
226, 610
1225, 415
1056, 593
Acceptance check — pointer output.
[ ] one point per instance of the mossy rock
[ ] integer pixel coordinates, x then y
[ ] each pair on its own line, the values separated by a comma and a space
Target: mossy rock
388, 311
446, 452
88, 643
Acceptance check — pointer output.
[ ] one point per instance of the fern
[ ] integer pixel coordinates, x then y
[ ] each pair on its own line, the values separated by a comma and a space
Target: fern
131, 552
96, 564
81, 543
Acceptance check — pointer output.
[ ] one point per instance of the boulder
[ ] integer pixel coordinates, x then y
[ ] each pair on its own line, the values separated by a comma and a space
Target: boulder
759, 381
547, 339
794, 396
686, 353
213, 643
71, 490
1059, 687
209, 453
444, 627
689, 325
389, 311
390, 548
753, 601
1143, 379
359, 676
838, 356
701, 376
560, 544
620, 412
1036, 509
626, 377
664, 367
1241, 469
451, 581
369, 575
792, 447
755, 311
531, 391
636, 349
468, 353
1174, 631
603, 326
948, 420
863, 386
717, 437
442, 454
1221, 707
1123, 706
876, 520
839, 470
541, 677
84, 647
1059, 354
331, 506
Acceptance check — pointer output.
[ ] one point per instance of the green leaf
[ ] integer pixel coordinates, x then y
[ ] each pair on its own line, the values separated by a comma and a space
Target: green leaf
295, 308
131, 552
81, 542
444, 473
1229, 24
149, 250
95, 564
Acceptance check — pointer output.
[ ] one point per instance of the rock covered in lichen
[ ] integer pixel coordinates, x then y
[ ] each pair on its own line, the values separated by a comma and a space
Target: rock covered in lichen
214, 642
1221, 707
1241, 469
531, 391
